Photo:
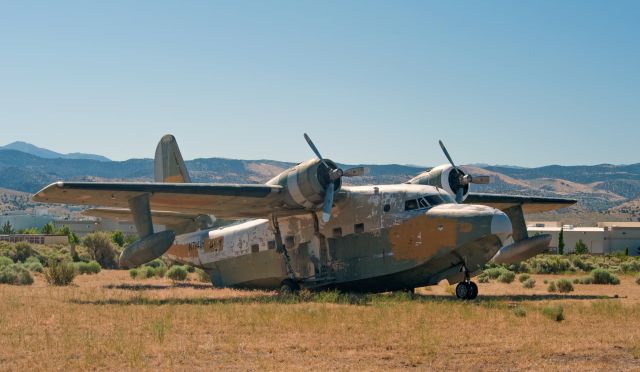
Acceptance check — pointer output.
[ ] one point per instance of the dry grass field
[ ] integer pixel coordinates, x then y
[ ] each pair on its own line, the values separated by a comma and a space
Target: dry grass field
111, 322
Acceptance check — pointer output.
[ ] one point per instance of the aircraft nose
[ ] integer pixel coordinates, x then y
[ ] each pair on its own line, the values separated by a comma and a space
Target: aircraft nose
501, 226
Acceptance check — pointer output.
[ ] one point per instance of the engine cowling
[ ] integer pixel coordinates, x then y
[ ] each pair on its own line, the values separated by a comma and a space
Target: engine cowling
445, 177
305, 184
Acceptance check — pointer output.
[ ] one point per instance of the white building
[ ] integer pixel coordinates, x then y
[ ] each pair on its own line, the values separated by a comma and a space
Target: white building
620, 236
607, 238
593, 237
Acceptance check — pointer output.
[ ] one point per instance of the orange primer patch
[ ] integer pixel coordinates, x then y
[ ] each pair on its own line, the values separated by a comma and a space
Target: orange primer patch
422, 237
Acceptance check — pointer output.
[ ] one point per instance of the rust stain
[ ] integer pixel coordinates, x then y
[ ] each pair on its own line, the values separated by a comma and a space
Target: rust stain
422, 237
175, 178
189, 250
214, 245
465, 227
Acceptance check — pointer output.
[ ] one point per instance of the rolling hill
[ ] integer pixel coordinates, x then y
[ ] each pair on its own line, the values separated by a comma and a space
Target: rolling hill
599, 188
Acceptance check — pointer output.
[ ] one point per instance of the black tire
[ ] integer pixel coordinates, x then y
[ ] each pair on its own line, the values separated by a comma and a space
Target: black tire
474, 290
463, 290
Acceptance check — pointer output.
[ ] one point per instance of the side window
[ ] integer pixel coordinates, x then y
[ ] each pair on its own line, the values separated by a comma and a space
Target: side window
289, 241
387, 207
423, 203
271, 244
337, 232
255, 248
410, 205
358, 228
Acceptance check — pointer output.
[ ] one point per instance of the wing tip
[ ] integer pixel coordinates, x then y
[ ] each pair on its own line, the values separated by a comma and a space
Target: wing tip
41, 196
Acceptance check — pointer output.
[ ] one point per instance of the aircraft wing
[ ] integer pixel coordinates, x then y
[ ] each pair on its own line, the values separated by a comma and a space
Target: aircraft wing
223, 200
530, 204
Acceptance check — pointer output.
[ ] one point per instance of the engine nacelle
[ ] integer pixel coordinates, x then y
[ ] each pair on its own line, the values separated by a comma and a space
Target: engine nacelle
444, 177
306, 183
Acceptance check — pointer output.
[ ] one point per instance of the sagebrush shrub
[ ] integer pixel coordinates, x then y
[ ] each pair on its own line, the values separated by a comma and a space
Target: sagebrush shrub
88, 268
203, 276
177, 273
551, 287
5, 261
134, 273
101, 249
15, 274
529, 283
483, 279
602, 276
507, 277
519, 311
554, 312
23, 251
564, 286
523, 277
33, 264
59, 273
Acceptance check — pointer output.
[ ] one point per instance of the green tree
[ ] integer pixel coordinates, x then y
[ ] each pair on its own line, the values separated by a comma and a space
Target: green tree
49, 228
118, 238
581, 248
561, 241
73, 240
7, 229
29, 231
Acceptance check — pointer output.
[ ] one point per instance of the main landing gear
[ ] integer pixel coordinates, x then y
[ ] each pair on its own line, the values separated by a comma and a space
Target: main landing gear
466, 290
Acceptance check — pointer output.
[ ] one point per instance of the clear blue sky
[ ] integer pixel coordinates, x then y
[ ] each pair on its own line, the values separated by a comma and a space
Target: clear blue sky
510, 82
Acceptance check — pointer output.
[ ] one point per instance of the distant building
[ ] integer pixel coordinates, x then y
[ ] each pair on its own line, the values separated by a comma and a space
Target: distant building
20, 220
35, 239
607, 238
622, 235
84, 227
593, 237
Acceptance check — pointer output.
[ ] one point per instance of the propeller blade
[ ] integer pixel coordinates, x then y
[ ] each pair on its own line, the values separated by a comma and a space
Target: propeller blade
328, 203
355, 172
446, 153
459, 195
481, 180
315, 150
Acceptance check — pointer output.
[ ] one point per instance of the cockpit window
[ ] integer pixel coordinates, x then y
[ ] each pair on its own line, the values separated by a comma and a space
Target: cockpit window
426, 202
410, 205
434, 200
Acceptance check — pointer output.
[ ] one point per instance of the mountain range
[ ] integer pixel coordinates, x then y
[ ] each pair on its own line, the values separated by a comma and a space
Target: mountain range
48, 154
599, 188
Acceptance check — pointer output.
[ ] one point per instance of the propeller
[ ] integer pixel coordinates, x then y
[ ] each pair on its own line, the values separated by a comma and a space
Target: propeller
463, 179
334, 175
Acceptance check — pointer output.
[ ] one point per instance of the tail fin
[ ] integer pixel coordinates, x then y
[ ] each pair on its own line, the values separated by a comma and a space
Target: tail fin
169, 165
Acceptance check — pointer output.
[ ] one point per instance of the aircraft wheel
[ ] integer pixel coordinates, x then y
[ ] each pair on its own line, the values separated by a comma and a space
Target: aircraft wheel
463, 290
474, 290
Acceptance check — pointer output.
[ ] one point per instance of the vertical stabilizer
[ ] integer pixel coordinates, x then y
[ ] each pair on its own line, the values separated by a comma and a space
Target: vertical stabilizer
169, 165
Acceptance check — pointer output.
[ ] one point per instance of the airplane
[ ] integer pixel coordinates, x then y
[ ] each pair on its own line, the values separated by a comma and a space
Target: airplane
305, 229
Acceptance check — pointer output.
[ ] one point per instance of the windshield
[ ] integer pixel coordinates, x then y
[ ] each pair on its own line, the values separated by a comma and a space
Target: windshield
427, 201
